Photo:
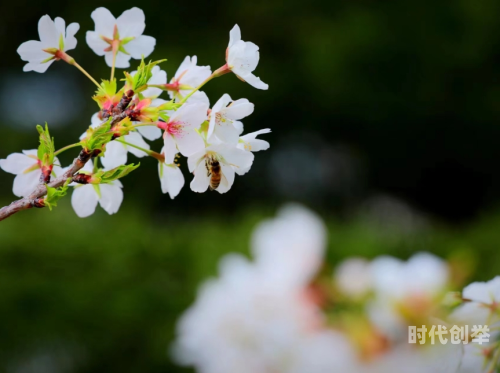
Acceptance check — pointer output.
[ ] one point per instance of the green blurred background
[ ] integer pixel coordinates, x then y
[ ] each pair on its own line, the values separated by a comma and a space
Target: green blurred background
384, 118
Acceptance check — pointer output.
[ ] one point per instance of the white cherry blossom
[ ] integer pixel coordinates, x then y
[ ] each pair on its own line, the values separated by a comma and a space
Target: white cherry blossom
259, 320
482, 303
187, 77
26, 167
290, 247
256, 327
242, 58
123, 33
180, 131
416, 284
116, 151
85, 197
477, 358
353, 277
54, 39
171, 178
225, 116
251, 143
231, 159
199, 97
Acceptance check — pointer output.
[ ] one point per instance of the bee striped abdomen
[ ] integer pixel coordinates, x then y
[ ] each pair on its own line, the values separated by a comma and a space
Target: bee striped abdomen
215, 174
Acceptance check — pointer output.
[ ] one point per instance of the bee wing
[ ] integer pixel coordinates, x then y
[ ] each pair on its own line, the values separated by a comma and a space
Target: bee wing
209, 169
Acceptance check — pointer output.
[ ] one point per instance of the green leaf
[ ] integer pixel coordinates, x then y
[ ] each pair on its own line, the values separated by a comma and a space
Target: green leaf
55, 194
123, 127
144, 73
106, 93
46, 148
104, 177
164, 116
97, 137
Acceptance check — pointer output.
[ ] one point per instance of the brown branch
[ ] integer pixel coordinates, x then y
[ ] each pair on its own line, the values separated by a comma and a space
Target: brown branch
34, 199
41, 190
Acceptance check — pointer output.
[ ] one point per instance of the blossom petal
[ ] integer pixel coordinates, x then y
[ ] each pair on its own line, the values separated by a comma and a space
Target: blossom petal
195, 159
191, 114
172, 179
201, 180
222, 103
235, 55
17, 163
141, 46
254, 81
115, 155
37, 66
194, 76
253, 135
185, 65
131, 23
251, 143
70, 41
189, 143
257, 145
251, 56
95, 121
199, 97
471, 313
150, 132
84, 200
60, 26
239, 126
218, 107
104, 22
234, 35
479, 292
227, 133
122, 60
96, 43
136, 139
235, 157
33, 152
227, 179
111, 198
239, 109
48, 32
169, 148
32, 51
24, 184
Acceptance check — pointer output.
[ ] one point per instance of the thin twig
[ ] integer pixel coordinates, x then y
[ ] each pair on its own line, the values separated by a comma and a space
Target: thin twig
41, 190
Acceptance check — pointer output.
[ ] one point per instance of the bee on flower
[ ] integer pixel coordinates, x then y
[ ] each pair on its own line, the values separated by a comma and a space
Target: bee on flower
133, 115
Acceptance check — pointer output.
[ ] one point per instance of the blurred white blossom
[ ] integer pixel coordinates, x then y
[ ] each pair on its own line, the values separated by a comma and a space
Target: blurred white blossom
257, 321
259, 315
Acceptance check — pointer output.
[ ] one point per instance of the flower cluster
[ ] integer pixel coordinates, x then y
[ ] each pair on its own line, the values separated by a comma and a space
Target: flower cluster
211, 139
280, 313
